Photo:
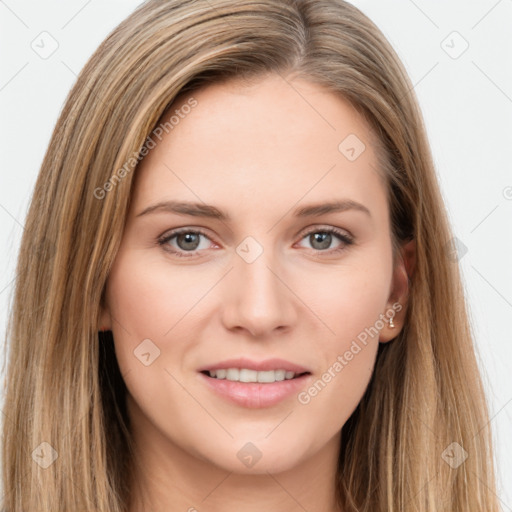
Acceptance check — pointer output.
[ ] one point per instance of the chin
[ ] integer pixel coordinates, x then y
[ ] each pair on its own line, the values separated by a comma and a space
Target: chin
256, 458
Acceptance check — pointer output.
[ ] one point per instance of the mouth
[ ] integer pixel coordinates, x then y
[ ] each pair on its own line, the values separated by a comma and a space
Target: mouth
247, 375
253, 385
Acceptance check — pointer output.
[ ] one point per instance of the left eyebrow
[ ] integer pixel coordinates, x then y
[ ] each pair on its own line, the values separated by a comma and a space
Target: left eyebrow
206, 210
335, 206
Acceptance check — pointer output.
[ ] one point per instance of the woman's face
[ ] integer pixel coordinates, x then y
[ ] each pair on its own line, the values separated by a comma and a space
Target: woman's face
254, 275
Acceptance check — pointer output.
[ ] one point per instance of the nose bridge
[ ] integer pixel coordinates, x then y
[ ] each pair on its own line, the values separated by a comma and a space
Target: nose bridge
256, 298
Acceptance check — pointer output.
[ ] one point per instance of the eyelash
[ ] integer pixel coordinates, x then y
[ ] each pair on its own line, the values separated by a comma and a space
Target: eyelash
345, 238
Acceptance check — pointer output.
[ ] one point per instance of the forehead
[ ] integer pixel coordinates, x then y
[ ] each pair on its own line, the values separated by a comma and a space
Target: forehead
272, 141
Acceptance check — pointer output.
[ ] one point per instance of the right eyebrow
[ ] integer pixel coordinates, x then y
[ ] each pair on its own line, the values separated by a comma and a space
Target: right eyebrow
186, 208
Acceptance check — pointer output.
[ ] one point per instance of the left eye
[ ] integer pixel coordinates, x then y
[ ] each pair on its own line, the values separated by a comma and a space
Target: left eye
188, 241
323, 238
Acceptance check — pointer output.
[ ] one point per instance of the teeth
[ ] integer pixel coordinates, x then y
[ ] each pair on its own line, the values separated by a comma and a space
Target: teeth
246, 375
233, 374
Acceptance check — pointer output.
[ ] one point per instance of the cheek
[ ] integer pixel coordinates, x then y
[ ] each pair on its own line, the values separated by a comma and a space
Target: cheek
350, 302
147, 299
359, 303
152, 307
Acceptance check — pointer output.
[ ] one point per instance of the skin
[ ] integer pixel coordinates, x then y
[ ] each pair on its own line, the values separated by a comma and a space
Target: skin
256, 152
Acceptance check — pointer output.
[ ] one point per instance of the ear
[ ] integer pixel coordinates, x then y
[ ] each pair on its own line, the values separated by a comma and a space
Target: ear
398, 299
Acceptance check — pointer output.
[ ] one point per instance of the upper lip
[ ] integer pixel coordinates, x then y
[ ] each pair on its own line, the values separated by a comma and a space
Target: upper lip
267, 364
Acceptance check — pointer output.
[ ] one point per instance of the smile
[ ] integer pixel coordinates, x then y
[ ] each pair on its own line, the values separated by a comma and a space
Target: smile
247, 375
253, 394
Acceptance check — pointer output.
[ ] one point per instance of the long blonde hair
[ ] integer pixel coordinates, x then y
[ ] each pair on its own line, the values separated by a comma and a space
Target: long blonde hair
63, 384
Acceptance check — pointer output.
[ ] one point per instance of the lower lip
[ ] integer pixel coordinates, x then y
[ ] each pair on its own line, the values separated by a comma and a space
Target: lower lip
256, 395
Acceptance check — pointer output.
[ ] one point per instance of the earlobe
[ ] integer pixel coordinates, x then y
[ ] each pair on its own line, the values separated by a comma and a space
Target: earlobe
398, 301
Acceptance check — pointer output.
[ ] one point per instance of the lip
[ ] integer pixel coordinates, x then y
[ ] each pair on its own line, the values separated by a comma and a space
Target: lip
260, 366
255, 395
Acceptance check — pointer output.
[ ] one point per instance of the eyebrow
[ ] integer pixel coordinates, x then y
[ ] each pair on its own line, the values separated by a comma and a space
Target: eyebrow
210, 211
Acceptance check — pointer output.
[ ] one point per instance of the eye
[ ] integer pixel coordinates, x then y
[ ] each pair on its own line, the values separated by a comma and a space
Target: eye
321, 239
188, 241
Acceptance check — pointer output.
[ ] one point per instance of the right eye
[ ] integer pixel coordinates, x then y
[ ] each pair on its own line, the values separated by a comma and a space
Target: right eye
187, 241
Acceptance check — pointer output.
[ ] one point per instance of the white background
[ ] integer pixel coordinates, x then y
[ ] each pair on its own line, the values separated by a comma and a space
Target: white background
467, 106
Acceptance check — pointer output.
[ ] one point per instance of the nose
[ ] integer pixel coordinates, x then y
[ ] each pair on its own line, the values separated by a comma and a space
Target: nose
257, 297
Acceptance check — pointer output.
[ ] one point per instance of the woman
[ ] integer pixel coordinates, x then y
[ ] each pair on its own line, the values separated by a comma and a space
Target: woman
311, 349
